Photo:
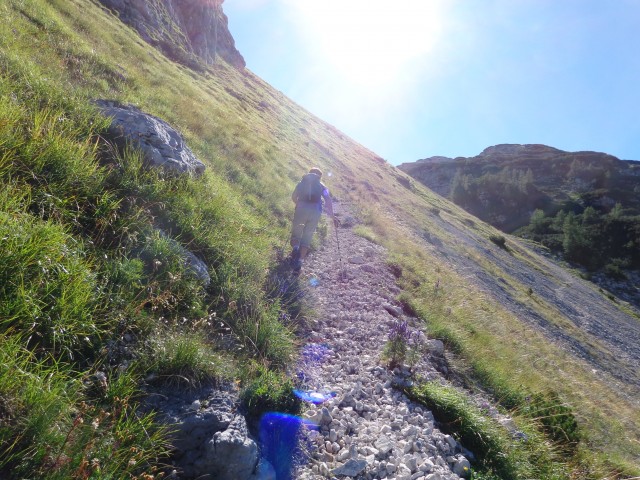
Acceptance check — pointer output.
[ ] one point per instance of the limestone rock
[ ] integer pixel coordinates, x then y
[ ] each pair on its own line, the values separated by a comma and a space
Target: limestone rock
351, 469
161, 145
210, 439
190, 32
462, 467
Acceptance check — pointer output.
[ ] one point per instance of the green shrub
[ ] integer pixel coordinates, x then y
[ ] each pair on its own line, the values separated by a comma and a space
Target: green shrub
268, 391
556, 417
615, 271
185, 359
500, 241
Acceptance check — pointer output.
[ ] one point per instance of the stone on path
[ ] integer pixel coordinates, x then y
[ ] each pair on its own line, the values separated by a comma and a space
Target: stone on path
384, 445
351, 469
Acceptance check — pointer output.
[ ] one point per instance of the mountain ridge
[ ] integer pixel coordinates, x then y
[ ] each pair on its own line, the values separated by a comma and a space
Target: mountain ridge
555, 176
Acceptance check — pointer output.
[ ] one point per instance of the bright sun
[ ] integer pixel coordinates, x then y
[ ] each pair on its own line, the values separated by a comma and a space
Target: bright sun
369, 42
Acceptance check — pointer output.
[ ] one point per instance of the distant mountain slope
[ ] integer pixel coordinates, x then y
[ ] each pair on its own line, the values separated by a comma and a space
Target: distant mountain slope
521, 178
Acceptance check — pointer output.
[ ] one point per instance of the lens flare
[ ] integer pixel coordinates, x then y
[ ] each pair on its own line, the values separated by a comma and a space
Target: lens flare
281, 442
314, 397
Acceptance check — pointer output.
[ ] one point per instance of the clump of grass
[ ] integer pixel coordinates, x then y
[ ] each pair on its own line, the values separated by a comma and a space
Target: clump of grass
268, 391
47, 286
263, 335
499, 454
184, 359
366, 232
56, 426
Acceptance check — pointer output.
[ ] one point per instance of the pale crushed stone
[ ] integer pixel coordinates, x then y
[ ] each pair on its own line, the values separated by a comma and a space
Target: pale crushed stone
369, 429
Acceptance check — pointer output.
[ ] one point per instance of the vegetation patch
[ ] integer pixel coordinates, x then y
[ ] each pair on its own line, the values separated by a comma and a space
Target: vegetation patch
595, 239
499, 453
268, 391
500, 241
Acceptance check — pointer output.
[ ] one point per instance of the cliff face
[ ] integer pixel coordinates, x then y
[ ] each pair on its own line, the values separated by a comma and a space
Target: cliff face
190, 32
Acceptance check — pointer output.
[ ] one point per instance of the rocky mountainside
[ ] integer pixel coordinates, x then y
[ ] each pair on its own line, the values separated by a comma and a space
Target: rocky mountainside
411, 330
547, 178
187, 31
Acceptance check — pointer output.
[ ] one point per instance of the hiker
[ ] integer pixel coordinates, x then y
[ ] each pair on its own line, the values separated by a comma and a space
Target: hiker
308, 196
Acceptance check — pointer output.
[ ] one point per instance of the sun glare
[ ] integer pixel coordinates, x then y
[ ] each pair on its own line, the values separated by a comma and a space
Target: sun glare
369, 42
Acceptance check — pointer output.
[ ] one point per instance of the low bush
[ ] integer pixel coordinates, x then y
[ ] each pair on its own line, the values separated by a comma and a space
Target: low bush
555, 416
268, 391
500, 241
403, 345
184, 359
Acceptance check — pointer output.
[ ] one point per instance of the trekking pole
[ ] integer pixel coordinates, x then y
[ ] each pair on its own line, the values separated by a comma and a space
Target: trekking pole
339, 254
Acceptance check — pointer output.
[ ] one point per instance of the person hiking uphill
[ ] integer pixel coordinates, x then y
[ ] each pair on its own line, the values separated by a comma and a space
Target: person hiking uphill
308, 197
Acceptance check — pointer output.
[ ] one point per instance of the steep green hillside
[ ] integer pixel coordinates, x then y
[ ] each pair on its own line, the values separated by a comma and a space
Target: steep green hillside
90, 289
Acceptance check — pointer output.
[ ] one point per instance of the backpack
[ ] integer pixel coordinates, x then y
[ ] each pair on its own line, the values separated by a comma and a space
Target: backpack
310, 189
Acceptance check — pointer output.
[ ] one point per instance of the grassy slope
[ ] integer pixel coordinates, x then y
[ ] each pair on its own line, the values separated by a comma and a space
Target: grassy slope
256, 143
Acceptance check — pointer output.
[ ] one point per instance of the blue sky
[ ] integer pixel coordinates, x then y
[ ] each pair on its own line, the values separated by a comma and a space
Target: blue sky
411, 79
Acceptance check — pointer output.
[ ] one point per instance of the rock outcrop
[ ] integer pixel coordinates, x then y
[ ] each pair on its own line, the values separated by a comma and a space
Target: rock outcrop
209, 436
190, 32
161, 145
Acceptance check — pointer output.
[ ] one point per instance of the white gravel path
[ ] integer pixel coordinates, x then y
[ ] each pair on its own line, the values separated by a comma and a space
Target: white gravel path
367, 428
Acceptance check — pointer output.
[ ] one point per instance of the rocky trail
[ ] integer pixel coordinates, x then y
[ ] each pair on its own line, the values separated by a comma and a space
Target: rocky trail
367, 428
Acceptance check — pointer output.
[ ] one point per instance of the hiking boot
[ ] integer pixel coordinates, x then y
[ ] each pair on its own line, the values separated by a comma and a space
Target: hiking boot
297, 266
295, 256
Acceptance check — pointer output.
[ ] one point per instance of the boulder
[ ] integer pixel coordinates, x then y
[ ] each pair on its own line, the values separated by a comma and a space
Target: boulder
209, 437
161, 145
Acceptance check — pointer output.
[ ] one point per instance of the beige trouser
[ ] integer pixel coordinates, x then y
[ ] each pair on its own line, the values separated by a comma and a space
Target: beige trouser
305, 222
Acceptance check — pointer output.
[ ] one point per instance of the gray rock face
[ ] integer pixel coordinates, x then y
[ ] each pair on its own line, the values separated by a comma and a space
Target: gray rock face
197, 267
161, 145
229, 455
210, 438
187, 31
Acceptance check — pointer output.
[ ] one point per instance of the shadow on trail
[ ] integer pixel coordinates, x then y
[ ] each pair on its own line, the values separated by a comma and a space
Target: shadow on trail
286, 287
